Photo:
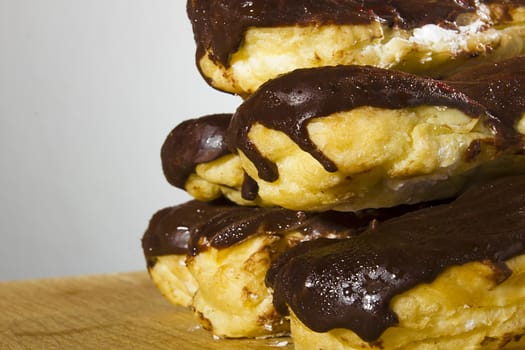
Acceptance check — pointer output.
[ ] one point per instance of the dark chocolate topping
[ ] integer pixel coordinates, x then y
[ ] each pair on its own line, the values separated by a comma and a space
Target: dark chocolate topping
194, 226
349, 283
500, 87
219, 25
250, 188
193, 142
288, 103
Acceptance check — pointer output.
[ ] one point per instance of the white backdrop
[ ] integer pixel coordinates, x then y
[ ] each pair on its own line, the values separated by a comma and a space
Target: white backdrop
89, 89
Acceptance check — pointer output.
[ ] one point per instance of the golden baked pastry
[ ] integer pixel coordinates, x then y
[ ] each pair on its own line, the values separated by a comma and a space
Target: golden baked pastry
451, 276
242, 44
354, 137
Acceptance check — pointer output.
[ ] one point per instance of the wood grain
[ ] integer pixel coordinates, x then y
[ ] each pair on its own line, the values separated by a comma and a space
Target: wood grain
118, 311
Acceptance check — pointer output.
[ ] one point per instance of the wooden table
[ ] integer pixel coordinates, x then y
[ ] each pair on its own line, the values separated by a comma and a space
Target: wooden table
118, 311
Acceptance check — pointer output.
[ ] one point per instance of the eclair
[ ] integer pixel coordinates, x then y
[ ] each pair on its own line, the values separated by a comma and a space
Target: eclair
213, 257
354, 137
243, 44
451, 276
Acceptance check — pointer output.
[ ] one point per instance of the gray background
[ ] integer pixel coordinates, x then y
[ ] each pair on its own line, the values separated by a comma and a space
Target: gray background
89, 89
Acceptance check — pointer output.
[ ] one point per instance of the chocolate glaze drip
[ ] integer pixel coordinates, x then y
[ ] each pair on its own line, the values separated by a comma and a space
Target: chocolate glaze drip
349, 283
219, 25
249, 188
193, 142
194, 226
288, 103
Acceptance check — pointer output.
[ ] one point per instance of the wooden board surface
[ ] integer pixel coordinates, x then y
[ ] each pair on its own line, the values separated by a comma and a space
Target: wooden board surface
119, 311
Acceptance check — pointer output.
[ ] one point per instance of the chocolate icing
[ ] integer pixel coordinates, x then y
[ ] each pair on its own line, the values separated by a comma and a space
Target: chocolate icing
193, 142
219, 25
195, 226
349, 283
500, 87
289, 103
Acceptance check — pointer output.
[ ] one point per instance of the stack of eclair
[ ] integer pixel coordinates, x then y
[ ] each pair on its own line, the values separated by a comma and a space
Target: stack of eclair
368, 192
